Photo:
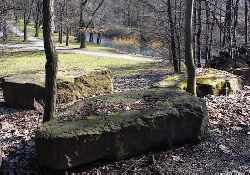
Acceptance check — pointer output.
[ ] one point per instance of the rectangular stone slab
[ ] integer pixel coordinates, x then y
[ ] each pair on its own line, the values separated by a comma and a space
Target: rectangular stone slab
177, 119
24, 89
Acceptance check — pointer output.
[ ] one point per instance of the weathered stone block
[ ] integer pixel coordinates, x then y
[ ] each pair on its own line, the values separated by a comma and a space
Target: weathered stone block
209, 81
23, 90
170, 118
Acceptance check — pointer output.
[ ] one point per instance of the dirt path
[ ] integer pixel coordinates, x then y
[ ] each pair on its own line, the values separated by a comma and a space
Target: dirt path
35, 44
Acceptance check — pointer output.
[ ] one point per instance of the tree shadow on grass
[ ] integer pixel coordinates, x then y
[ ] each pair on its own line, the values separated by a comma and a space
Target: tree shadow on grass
20, 54
141, 68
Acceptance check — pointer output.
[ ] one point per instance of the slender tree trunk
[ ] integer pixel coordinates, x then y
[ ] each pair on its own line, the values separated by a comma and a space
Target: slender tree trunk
67, 23
207, 31
91, 37
99, 38
172, 36
37, 18
37, 28
178, 34
61, 35
234, 47
82, 26
25, 33
61, 25
227, 39
25, 30
220, 27
53, 27
5, 30
67, 36
51, 63
211, 33
82, 39
198, 36
194, 31
246, 22
189, 60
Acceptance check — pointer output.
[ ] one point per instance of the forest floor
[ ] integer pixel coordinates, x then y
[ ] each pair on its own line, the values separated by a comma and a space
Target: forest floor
225, 150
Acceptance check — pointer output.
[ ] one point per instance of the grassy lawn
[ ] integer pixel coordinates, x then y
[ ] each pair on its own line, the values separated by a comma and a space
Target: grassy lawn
26, 62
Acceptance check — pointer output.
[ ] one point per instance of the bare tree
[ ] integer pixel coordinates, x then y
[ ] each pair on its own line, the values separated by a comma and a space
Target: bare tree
82, 24
246, 22
51, 64
172, 36
38, 16
191, 79
198, 35
26, 6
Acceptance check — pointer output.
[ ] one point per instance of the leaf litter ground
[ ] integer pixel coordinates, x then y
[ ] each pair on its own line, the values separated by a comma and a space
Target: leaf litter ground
226, 150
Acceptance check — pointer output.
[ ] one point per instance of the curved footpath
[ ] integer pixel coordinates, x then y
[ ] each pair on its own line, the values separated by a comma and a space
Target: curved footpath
35, 44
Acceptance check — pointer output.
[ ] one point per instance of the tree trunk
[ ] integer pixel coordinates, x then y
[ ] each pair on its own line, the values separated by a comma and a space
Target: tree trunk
246, 22
61, 25
234, 46
99, 38
189, 60
178, 34
172, 36
53, 27
194, 30
67, 36
5, 31
207, 31
91, 37
82, 25
37, 28
227, 39
25, 30
198, 36
67, 23
220, 27
38, 18
60, 35
212, 32
51, 64
82, 39
25, 33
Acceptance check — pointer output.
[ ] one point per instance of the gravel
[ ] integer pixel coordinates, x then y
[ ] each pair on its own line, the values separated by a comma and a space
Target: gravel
226, 150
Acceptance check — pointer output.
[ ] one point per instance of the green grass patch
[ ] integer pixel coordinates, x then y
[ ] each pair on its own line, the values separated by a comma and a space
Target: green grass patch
26, 62
141, 68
